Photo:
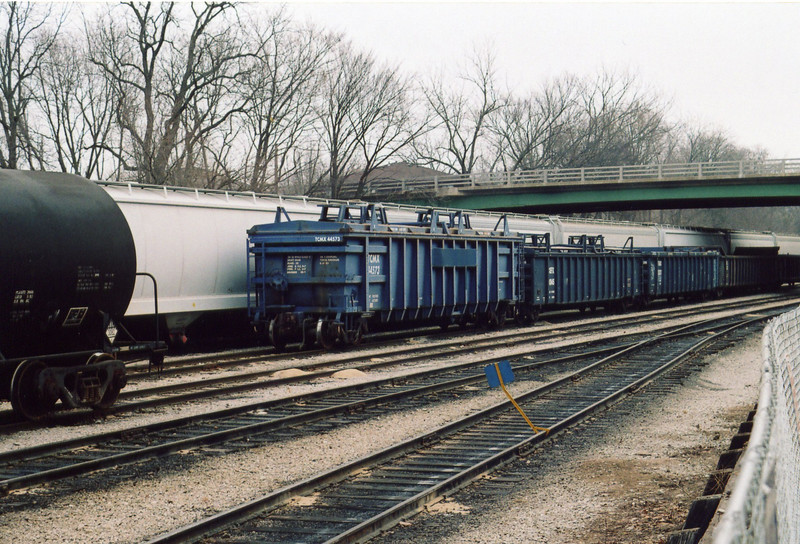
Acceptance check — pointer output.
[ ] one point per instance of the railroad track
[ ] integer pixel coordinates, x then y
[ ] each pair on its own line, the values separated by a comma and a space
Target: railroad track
360, 499
403, 355
131, 400
389, 341
51, 462
389, 354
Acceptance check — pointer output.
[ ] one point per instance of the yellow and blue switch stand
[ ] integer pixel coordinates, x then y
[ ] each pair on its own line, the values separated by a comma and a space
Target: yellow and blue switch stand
498, 375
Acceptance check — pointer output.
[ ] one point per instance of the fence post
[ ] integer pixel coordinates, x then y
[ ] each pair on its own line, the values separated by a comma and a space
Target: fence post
508, 178
620, 173
741, 169
471, 180
699, 170
660, 172
544, 175
435, 184
402, 186
583, 175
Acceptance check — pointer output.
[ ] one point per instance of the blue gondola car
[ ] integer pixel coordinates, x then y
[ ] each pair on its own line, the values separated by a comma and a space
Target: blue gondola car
581, 274
676, 274
789, 269
330, 280
747, 273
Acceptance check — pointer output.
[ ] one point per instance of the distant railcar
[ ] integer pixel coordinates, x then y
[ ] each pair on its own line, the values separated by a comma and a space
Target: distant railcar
331, 280
748, 273
581, 274
682, 273
788, 268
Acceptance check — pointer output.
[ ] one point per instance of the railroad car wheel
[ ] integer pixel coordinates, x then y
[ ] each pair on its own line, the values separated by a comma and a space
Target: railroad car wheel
326, 334
495, 320
276, 336
526, 316
112, 392
25, 398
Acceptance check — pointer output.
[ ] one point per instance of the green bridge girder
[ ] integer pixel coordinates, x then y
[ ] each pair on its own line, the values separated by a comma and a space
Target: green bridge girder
646, 195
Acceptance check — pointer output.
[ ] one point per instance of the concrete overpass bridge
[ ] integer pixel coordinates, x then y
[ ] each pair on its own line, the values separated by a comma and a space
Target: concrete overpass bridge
608, 188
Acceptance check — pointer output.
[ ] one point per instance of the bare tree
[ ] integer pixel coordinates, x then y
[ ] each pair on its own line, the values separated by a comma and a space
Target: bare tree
166, 81
343, 86
364, 118
528, 133
309, 175
28, 32
280, 89
619, 124
384, 121
77, 107
711, 145
461, 117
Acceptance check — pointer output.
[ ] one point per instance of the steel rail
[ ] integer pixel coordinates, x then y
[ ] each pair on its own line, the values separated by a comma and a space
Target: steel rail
288, 411
202, 389
206, 361
207, 388
10, 422
399, 509
312, 413
392, 357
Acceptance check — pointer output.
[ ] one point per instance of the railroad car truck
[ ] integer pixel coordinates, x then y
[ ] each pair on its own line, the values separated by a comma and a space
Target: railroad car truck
332, 280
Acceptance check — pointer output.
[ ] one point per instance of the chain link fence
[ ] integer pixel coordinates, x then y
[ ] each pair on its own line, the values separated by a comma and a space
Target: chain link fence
765, 503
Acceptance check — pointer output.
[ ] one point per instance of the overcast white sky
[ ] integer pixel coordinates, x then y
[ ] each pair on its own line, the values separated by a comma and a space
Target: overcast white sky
729, 66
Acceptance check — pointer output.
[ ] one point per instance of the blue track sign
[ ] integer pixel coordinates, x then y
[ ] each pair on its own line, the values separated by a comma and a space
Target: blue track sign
505, 373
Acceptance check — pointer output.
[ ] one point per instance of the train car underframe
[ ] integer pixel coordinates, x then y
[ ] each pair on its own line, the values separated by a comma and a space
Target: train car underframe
36, 387
328, 329
87, 378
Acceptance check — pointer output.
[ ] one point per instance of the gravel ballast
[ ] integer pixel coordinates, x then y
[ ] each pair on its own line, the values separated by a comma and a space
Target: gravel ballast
578, 488
626, 477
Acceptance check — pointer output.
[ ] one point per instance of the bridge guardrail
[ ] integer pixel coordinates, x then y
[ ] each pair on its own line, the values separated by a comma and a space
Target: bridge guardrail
600, 174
